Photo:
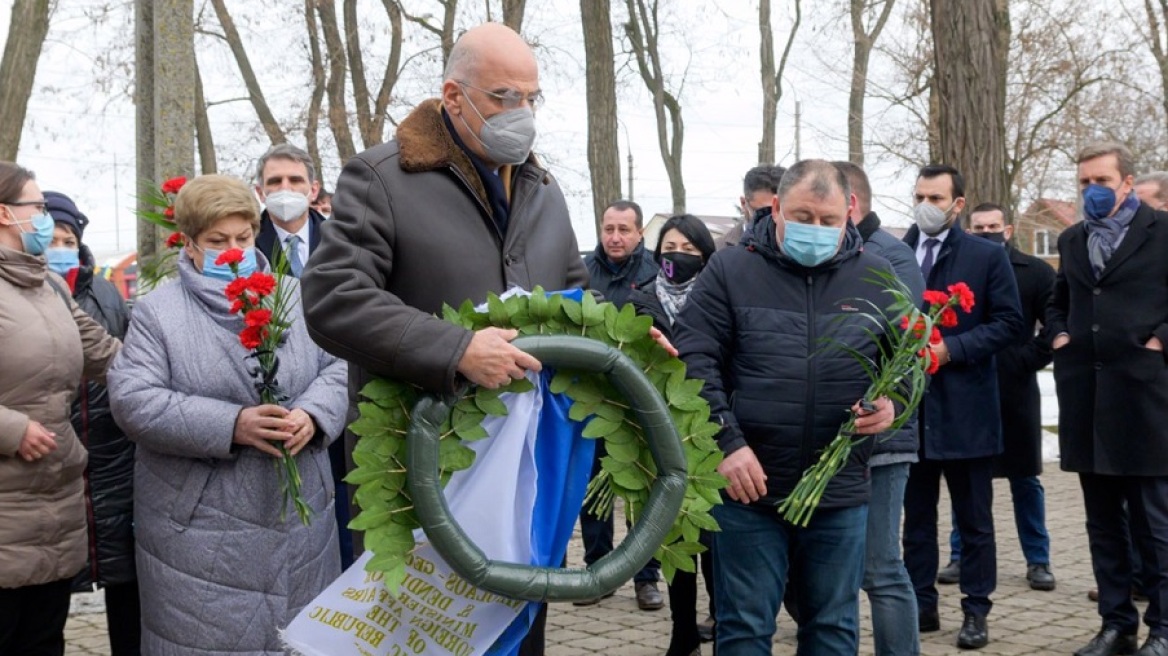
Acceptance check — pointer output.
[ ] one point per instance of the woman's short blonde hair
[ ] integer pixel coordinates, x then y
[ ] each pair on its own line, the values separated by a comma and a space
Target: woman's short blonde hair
208, 198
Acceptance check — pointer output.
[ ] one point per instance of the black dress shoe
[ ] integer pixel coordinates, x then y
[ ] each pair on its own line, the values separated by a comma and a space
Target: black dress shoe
648, 596
950, 573
706, 629
929, 621
1110, 641
973, 634
1155, 646
1040, 577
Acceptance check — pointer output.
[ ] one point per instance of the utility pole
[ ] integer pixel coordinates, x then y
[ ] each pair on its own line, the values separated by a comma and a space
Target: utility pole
798, 125
117, 210
630, 175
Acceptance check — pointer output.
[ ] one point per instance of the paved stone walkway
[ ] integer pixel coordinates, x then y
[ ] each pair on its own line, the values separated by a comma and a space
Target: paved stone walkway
1023, 621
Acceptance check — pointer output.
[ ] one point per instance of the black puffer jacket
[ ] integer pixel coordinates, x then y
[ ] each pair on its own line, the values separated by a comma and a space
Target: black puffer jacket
109, 477
617, 282
770, 376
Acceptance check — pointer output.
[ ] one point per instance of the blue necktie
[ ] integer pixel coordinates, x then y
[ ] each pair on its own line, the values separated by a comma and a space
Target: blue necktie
927, 262
296, 267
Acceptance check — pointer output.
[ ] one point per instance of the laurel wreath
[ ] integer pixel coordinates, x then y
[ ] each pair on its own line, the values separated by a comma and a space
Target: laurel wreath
627, 471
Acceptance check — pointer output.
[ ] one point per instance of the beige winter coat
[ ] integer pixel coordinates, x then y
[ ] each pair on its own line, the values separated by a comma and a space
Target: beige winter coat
46, 344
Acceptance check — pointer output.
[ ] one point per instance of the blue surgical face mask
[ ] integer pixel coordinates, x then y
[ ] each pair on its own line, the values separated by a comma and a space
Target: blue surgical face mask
1098, 201
223, 271
62, 260
807, 244
38, 240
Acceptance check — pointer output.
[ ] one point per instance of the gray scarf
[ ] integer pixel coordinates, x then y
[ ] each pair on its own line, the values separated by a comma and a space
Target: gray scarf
1104, 235
673, 296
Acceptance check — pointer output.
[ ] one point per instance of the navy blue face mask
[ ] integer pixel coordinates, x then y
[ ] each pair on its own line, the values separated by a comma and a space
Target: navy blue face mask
1098, 201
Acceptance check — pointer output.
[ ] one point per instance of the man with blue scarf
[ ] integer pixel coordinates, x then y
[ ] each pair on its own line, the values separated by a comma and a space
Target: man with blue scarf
1109, 315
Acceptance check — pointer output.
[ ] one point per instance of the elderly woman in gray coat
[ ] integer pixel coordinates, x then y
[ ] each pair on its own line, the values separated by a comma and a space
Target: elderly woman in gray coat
222, 564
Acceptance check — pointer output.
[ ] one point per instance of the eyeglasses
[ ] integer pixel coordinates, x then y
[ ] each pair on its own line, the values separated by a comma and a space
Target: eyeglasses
38, 204
510, 98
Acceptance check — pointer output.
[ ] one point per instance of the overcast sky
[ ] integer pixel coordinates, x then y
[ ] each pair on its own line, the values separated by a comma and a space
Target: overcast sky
79, 137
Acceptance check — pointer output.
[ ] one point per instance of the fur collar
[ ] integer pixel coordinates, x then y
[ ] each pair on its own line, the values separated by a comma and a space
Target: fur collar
425, 144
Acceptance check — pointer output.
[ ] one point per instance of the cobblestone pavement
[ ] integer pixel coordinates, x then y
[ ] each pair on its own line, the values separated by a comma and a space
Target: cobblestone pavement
1023, 621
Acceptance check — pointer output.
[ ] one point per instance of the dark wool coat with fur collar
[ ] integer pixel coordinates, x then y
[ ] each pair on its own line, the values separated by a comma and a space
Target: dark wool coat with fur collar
412, 230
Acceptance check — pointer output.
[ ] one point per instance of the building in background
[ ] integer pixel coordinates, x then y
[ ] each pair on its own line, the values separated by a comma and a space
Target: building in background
1036, 230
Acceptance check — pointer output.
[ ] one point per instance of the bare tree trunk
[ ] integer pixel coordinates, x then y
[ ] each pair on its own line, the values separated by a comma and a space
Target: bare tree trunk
772, 78
371, 120
338, 116
444, 32
864, 40
642, 30
26, 36
1157, 21
600, 80
969, 44
312, 119
267, 119
144, 119
207, 160
513, 13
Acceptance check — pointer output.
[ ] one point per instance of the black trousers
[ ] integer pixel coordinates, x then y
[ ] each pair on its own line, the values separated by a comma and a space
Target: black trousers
683, 604
1111, 533
32, 619
123, 613
970, 483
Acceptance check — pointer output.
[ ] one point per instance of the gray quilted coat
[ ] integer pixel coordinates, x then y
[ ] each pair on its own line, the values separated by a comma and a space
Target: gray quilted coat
220, 571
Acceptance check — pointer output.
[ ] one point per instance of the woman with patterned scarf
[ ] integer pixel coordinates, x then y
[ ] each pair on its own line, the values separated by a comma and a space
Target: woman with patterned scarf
684, 248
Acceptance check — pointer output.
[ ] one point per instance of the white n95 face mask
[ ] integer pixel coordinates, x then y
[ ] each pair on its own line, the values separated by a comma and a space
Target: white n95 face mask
286, 205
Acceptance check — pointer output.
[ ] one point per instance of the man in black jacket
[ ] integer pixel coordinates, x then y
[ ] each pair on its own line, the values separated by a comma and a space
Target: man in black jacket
620, 262
781, 398
619, 265
1021, 403
1109, 315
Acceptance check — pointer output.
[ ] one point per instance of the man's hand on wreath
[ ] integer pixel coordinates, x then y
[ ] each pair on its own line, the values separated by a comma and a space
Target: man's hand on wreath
258, 425
871, 422
661, 339
305, 429
747, 479
491, 361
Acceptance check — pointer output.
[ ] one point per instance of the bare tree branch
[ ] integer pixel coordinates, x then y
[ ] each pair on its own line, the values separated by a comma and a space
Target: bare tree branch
26, 37
267, 119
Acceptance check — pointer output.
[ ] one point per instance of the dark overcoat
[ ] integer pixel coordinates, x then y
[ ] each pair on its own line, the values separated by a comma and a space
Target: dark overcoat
1112, 390
960, 414
1018, 367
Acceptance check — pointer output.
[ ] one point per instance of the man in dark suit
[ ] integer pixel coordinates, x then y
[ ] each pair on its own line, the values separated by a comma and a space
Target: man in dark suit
289, 233
286, 183
759, 187
961, 428
1021, 402
1109, 315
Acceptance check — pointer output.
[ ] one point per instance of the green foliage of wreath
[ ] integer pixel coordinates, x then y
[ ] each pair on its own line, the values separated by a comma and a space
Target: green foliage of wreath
387, 514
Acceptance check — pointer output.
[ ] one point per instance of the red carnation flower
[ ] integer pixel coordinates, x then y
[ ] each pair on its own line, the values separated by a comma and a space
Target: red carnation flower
173, 185
934, 363
261, 283
252, 336
236, 288
258, 318
169, 212
229, 257
964, 295
935, 336
175, 240
948, 318
236, 306
934, 297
